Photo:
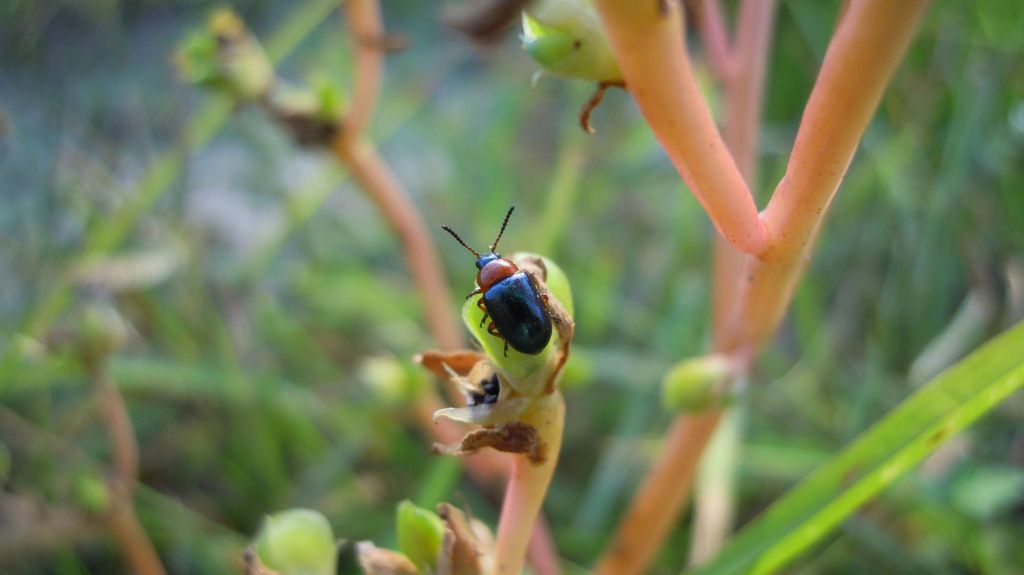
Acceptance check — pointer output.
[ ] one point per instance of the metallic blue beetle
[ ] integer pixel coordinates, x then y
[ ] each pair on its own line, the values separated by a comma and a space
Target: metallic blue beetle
509, 299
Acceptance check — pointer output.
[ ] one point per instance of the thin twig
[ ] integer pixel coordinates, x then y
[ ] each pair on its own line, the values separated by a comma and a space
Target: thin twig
713, 31
365, 21
121, 518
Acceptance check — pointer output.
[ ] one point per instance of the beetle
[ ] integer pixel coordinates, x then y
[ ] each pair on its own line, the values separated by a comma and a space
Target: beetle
509, 298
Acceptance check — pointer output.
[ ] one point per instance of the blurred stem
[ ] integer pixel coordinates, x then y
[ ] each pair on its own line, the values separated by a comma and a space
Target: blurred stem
744, 96
712, 28
660, 498
528, 484
374, 177
715, 490
122, 520
646, 39
367, 27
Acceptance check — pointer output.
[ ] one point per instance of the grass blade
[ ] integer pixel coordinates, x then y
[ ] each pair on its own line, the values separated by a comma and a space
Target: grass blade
949, 403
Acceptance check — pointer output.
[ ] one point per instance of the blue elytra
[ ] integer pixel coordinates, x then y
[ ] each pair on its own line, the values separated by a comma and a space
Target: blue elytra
509, 299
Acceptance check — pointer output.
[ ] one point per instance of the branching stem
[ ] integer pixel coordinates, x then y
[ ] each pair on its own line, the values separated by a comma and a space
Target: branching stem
869, 41
655, 65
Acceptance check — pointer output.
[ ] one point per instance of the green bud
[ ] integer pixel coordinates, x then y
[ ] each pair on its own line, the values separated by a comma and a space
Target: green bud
695, 384
227, 57
90, 492
297, 542
521, 368
330, 100
392, 380
567, 38
420, 532
103, 331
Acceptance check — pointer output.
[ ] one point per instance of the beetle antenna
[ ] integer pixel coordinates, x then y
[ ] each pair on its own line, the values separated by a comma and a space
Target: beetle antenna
458, 239
503, 224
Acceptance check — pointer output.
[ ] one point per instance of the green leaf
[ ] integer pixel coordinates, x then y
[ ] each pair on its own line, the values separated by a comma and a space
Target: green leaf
949, 403
420, 532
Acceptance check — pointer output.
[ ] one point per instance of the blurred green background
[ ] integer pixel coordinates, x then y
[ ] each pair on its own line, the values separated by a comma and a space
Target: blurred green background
262, 289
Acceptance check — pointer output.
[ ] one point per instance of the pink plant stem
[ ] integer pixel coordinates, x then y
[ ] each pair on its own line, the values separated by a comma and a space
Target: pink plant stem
657, 70
712, 28
868, 43
870, 39
527, 486
368, 29
744, 94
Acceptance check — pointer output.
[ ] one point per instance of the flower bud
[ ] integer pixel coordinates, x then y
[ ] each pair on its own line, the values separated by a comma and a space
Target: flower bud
297, 542
697, 383
90, 492
420, 532
103, 331
227, 57
567, 38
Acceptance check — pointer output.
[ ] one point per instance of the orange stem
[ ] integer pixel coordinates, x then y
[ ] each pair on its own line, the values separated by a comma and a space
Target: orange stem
661, 497
367, 28
868, 44
870, 39
527, 486
135, 544
646, 39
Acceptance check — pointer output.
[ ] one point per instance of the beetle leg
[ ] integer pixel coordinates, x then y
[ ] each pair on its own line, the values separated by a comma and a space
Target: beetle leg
493, 330
480, 304
476, 291
506, 348
483, 319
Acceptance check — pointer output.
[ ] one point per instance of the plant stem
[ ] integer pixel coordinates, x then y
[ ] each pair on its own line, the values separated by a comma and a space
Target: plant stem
744, 95
367, 27
528, 484
715, 35
870, 39
375, 178
135, 543
658, 74
660, 498
868, 43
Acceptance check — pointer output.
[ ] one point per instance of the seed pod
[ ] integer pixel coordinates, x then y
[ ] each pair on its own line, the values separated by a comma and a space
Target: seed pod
297, 542
697, 383
420, 532
567, 38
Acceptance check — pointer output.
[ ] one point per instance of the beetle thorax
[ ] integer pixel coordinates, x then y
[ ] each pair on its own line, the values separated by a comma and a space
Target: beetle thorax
494, 271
